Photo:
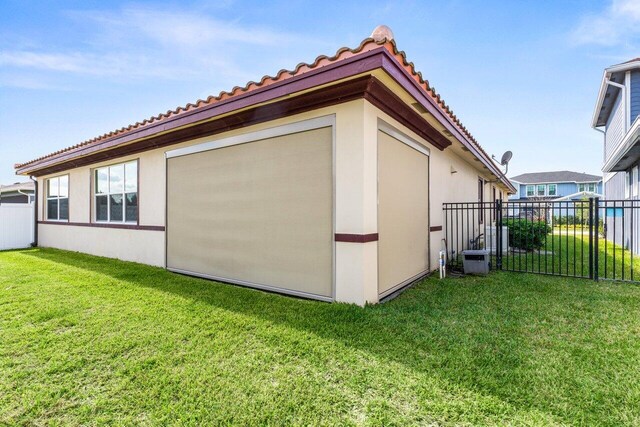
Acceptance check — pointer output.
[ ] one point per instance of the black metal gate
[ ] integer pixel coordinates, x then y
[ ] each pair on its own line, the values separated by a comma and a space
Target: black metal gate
591, 238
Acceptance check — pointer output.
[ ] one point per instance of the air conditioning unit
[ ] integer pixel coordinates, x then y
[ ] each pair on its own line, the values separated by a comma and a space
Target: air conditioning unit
491, 239
475, 261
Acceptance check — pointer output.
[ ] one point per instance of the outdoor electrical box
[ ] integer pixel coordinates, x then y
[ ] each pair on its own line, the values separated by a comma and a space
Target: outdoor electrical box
475, 261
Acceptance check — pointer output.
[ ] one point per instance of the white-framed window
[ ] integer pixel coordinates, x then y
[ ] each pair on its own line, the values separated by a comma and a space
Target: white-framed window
627, 184
58, 198
541, 190
581, 187
530, 191
116, 193
552, 190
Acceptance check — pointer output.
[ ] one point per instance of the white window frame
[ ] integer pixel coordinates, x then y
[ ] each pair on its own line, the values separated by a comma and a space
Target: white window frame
555, 189
58, 198
533, 190
544, 190
634, 181
627, 184
109, 193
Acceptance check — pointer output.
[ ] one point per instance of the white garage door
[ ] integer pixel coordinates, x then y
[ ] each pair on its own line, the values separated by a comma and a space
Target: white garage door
403, 212
259, 213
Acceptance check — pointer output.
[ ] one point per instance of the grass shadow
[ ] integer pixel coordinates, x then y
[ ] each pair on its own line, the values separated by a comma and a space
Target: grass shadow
483, 334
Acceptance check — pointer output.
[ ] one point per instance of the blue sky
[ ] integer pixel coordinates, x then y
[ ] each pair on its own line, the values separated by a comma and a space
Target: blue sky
521, 75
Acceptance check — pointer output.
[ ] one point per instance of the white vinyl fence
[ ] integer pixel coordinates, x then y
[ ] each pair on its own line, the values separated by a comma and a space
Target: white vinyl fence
16, 225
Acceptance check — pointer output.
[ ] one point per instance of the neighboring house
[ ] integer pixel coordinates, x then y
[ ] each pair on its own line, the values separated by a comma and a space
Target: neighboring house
616, 117
20, 192
556, 186
326, 181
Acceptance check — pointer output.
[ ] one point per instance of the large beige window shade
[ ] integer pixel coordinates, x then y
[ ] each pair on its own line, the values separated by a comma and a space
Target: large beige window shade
258, 213
403, 213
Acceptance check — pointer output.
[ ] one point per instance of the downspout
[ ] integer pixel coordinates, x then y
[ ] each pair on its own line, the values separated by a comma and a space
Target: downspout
623, 93
34, 244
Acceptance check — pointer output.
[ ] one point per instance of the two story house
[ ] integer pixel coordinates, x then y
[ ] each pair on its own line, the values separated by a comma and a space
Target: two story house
616, 117
556, 186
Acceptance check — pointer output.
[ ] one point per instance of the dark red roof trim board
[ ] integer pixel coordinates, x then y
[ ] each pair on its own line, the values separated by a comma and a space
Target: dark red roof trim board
356, 238
369, 56
110, 225
387, 101
367, 87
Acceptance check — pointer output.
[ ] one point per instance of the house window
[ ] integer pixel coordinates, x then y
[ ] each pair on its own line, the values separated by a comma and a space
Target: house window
541, 190
551, 189
627, 184
116, 193
634, 181
530, 192
58, 198
581, 187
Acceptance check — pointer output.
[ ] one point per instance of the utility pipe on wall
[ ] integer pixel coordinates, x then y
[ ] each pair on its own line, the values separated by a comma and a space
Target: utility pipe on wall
35, 213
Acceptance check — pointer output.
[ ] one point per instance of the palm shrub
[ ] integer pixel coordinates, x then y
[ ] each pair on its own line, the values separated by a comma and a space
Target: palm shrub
526, 234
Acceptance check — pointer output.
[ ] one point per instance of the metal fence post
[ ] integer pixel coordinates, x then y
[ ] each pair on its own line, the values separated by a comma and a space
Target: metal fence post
596, 239
498, 207
591, 237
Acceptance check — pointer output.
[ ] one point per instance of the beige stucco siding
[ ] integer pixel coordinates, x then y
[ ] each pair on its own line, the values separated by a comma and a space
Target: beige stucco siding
355, 195
354, 282
444, 186
143, 246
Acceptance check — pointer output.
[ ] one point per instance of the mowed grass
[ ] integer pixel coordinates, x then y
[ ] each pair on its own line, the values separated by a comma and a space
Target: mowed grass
567, 253
87, 340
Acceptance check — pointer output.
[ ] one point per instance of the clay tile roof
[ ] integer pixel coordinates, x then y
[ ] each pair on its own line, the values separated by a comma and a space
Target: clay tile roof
322, 60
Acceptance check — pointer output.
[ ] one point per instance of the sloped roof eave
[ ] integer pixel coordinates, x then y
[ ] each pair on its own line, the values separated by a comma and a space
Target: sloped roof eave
393, 61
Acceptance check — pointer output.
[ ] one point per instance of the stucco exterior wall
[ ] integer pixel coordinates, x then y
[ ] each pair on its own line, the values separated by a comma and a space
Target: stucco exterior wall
444, 186
452, 179
353, 169
143, 246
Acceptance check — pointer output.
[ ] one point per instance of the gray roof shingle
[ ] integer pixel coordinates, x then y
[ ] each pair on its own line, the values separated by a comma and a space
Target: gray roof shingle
557, 176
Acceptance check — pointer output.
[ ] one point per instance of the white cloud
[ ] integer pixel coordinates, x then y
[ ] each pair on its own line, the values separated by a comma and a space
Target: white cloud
136, 42
179, 28
618, 24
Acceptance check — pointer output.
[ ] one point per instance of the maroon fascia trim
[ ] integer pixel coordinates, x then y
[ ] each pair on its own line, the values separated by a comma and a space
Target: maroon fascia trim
355, 65
435, 228
387, 101
110, 225
379, 58
356, 238
367, 87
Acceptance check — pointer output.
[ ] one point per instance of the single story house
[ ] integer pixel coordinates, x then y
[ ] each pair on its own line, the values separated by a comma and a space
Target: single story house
20, 192
326, 181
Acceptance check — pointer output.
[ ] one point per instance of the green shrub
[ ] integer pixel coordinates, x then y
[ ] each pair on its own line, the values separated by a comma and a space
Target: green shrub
526, 234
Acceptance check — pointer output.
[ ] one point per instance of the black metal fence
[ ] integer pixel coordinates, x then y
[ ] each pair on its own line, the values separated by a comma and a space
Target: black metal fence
596, 239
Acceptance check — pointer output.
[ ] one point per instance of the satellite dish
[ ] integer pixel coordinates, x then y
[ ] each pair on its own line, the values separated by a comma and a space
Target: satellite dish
506, 157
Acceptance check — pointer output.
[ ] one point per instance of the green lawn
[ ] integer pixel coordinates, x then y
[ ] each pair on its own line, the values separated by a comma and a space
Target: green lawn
568, 253
86, 340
